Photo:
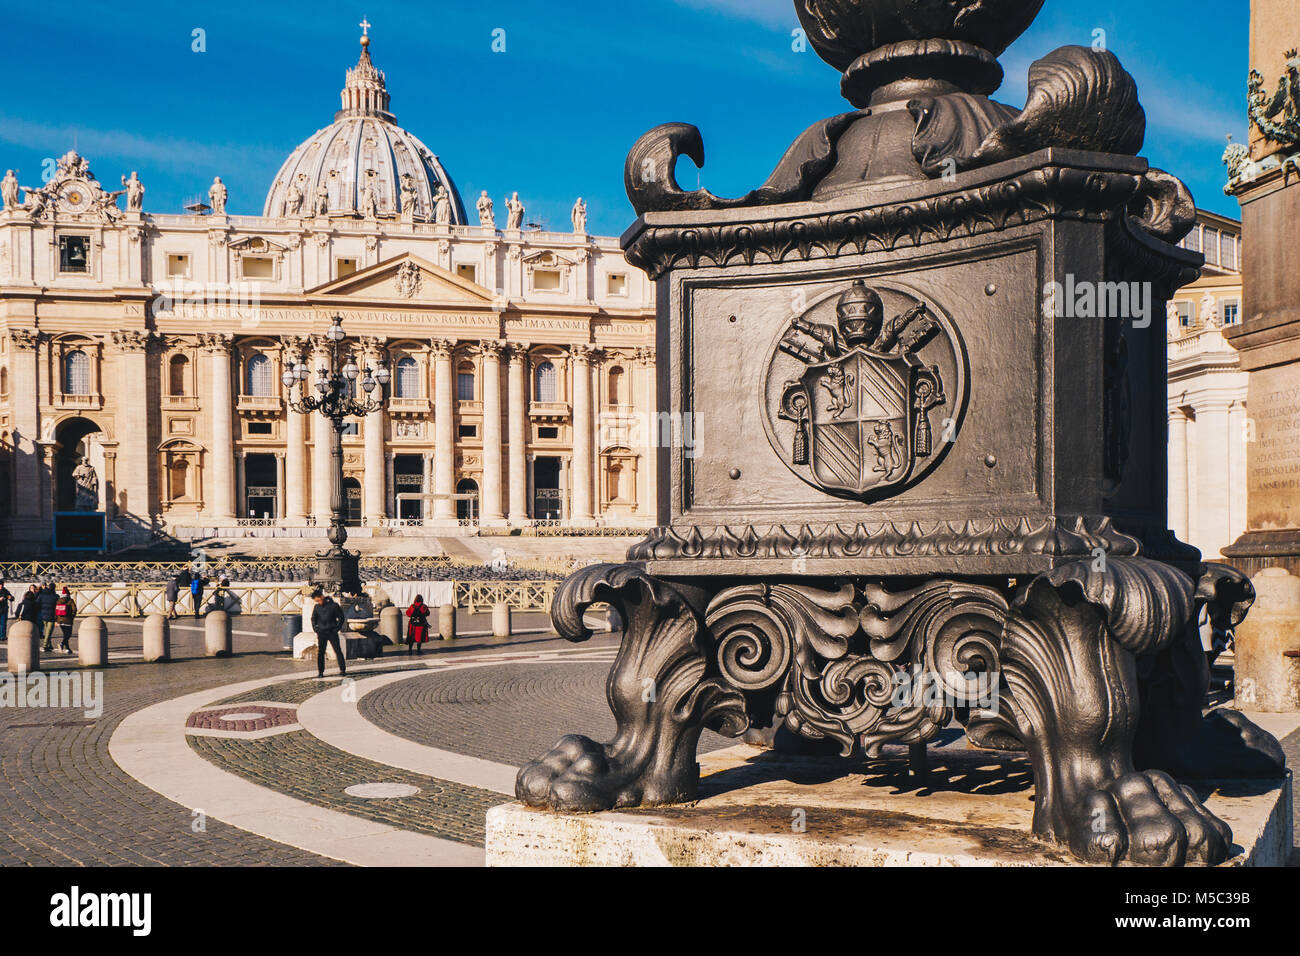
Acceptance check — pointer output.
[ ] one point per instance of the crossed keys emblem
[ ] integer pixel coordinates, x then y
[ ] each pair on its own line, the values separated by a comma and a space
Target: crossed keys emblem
861, 408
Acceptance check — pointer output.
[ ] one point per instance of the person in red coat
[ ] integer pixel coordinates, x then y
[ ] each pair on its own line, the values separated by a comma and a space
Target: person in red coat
417, 631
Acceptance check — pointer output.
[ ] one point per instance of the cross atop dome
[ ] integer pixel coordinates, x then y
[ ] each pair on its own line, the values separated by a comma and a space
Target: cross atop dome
365, 32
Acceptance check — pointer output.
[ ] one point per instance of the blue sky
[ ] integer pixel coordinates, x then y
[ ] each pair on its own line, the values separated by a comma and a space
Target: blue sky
554, 115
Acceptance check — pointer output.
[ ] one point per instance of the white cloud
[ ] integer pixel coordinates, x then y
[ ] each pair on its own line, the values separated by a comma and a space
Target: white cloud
166, 152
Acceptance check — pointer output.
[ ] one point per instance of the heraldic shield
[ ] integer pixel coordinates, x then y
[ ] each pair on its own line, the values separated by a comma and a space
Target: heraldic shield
855, 404
860, 423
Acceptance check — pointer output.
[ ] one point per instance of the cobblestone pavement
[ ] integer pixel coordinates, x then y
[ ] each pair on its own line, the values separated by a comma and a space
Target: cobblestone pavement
64, 802
506, 714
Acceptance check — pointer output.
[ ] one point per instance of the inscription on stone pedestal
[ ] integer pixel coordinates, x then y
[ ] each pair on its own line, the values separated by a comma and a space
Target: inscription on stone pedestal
1273, 458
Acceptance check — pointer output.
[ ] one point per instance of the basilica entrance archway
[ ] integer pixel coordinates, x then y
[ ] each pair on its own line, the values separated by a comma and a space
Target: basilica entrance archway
78, 441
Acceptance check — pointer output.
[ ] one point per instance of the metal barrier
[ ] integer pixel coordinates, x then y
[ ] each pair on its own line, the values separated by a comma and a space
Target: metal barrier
411, 567
138, 600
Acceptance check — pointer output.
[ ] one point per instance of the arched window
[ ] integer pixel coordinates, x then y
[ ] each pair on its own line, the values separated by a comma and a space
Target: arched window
178, 375
76, 373
616, 385
4, 381
258, 375
465, 383
546, 387
408, 378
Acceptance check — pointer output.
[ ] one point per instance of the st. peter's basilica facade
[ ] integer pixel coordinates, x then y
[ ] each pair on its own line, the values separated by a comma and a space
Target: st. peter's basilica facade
142, 354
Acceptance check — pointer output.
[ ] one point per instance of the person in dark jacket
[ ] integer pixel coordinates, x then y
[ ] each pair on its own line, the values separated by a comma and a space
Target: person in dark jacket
65, 611
417, 632
173, 593
29, 608
327, 621
6, 605
47, 599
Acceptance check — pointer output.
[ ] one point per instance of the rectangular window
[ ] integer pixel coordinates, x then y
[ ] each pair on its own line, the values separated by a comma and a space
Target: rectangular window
344, 267
548, 431
467, 431
74, 253
258, 267
351, 428
1229, 250
1193, 240
1184, 314
1212, 246
260, 428
1231, 312
465, 386
617, 285
467, 272
546, 280
178, 264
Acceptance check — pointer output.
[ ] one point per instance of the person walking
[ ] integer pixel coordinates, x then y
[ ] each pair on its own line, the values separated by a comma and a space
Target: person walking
173, 593
64, 612
6, 601
327, 621
47, 600
196, 593
29, 608
417, 631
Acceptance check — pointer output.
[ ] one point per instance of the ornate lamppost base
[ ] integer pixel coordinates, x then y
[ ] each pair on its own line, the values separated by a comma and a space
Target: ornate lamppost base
338, 570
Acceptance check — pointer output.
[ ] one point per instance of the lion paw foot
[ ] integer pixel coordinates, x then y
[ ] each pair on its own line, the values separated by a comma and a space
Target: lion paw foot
1150, 819
574, 776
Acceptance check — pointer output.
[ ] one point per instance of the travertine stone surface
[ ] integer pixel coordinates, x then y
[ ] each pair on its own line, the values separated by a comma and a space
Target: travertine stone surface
1267, 679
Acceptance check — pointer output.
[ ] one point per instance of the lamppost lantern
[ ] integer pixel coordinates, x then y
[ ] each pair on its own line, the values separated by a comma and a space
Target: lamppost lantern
382, 375
337, 569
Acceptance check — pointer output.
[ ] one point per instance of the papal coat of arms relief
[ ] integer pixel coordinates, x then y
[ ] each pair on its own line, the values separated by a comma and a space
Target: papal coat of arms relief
865, 391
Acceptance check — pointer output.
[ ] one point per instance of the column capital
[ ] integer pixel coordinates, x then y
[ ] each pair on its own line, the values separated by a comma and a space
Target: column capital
583, 353
26, 340
645, 355
131, 340
216, 342
518, 352
442, 348
373, 344
492, 348
295, 345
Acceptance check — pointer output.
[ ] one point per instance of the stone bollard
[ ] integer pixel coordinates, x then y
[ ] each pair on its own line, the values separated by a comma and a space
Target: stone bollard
390, 625
1266, 678
216, 634
447, 622
24, 647
92, 642
157, 638
501, 620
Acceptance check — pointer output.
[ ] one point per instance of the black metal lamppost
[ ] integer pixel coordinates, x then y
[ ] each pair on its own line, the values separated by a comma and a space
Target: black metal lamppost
337, 569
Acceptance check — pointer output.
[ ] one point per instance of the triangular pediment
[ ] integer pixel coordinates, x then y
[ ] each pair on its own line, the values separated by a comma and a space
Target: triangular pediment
407, 279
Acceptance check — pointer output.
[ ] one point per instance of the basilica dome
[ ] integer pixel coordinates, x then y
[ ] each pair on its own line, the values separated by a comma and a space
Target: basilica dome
363, 147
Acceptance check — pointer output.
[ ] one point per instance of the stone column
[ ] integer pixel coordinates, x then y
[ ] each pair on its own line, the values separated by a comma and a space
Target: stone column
135, 467
648, 421
1237, 441
1178, 473
321, 428
517, 410
222, 487
444, 447
279, 486
582, 453
490, 500
241, 485
1213, 498
374, 468
295, 470
25, 403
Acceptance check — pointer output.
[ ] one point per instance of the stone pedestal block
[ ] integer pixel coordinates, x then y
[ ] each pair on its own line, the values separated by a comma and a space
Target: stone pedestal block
501, 620
447, 622
390, 625
157, 638
92, 642
24, 647
216, 634
1267, 679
